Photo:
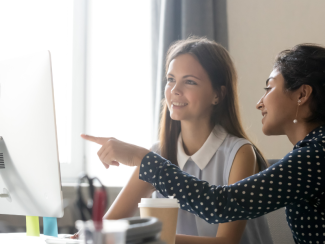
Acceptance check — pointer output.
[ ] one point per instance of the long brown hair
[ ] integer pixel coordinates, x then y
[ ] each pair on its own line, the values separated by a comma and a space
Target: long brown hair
216, 61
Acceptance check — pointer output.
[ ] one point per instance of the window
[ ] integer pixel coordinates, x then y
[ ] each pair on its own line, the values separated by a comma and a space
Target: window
101, 72
118, 91
30, 26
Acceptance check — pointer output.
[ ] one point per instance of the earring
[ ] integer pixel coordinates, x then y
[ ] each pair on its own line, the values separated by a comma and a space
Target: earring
295, 121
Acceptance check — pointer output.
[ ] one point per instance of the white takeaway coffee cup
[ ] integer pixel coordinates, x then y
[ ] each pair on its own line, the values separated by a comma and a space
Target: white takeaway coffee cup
164, 209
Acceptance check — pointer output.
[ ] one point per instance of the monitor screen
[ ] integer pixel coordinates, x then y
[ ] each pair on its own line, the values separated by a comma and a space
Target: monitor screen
29, 162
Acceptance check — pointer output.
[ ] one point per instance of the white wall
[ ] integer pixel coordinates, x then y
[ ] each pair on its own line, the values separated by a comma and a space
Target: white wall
258, 30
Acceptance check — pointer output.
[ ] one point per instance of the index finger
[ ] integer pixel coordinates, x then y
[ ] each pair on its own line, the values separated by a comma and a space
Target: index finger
98, 140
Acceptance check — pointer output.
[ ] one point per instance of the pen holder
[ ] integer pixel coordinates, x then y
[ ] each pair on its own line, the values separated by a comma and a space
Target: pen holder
113, 232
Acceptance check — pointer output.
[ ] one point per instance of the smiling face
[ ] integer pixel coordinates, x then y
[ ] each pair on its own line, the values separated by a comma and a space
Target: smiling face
278, 106
188, 92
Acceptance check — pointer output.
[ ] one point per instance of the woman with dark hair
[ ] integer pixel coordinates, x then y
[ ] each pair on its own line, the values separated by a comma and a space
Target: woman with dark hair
293, 105
201, 132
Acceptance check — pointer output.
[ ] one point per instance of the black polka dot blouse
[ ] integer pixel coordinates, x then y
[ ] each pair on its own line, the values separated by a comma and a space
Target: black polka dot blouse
296, 182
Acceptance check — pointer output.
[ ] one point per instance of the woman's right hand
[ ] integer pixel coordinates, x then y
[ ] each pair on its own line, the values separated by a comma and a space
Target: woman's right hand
114, 151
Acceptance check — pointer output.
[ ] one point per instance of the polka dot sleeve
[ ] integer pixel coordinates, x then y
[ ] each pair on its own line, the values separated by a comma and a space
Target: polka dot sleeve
297, 177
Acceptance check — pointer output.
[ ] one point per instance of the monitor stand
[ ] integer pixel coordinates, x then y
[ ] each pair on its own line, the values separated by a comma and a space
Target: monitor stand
50, 226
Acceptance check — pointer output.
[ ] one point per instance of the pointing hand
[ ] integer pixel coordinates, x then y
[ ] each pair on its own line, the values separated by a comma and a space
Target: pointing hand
114, 151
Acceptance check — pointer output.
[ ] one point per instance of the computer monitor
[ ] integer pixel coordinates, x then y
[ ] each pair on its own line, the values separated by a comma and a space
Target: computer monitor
29, 161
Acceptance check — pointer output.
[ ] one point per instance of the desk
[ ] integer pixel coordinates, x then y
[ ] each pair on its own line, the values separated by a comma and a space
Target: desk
21, 238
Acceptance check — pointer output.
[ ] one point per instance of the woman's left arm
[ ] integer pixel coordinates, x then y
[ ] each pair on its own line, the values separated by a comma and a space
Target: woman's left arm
296, 177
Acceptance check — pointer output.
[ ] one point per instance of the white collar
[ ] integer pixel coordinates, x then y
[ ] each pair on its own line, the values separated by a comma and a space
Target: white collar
203, 156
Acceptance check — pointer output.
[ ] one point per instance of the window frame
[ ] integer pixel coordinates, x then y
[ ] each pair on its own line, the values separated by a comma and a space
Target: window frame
71, 171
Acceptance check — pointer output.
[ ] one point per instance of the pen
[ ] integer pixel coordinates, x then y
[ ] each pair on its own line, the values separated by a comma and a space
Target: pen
99, 208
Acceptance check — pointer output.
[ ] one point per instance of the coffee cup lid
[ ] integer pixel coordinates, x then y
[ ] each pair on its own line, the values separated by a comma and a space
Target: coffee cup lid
158, 203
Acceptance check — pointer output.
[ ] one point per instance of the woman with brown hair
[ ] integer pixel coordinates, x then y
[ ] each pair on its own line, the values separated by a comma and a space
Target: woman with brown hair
201, 132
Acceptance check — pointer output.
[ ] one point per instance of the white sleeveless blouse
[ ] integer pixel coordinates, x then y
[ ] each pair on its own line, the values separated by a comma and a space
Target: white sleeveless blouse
212, 163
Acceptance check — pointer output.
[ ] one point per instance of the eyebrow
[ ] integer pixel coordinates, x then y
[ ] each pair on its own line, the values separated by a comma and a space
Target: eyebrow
185, 76
267, 81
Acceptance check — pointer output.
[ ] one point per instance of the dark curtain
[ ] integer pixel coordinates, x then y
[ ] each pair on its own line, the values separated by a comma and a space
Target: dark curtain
174, 20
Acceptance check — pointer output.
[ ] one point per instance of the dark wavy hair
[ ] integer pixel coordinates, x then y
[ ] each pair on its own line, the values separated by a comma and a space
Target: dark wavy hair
305, 64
